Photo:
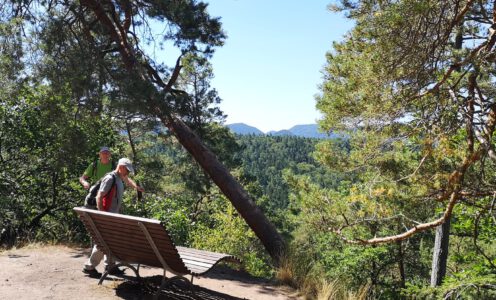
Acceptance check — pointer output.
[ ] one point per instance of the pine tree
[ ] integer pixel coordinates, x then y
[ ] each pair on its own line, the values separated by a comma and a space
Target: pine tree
413, 86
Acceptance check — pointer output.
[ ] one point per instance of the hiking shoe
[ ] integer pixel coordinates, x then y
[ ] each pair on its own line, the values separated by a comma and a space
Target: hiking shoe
93, 273
114, 271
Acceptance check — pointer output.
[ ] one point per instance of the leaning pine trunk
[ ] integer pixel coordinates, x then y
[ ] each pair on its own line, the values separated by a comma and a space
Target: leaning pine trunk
240, 199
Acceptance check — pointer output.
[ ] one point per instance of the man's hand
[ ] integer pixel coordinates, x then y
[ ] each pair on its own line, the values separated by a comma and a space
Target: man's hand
131, 183
84, 182
86, 185
99, 201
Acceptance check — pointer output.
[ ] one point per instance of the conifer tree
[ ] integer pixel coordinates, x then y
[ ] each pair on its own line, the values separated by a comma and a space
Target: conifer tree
413, 85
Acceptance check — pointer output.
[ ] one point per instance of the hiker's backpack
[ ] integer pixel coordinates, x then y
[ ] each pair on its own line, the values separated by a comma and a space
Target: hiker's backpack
90, 200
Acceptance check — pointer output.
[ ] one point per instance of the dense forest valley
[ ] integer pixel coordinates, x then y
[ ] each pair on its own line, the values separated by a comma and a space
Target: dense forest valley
399, 204
281, 172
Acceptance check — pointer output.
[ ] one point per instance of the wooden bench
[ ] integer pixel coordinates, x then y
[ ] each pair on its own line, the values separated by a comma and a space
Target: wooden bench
133, 240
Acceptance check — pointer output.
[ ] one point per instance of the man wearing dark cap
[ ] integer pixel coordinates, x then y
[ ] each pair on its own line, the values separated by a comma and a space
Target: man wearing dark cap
97, 169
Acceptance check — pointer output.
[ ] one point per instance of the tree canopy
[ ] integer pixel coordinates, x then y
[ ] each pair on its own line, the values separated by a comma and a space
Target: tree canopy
415, 79
411, 86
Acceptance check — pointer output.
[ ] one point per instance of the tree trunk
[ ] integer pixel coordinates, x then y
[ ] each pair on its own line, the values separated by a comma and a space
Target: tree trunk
441, 244
139, 195
440, 253
240, 199
401, 264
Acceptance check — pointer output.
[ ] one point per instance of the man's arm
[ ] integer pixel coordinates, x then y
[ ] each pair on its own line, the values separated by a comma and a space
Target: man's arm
86, 175
131, 183
84, 181
99, 200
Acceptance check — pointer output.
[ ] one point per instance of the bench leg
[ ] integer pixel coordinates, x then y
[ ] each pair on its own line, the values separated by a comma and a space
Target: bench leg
136, 271
166, 281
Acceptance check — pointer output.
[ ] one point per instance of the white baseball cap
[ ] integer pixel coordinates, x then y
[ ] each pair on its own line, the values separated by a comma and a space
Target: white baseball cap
127, 163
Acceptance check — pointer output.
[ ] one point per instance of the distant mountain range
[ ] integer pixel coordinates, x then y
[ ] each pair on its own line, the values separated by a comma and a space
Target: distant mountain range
242, 128
308, 130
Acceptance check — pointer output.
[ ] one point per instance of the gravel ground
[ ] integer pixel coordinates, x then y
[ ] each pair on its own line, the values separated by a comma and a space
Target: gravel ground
54, 272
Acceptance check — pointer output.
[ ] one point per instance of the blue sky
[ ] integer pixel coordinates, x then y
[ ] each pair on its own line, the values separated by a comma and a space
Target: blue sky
269, 69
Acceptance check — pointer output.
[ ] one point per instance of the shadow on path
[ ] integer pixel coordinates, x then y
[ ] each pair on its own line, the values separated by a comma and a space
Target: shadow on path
132, 290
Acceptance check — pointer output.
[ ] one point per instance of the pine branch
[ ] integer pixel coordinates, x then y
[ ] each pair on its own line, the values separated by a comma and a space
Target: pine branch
452, 193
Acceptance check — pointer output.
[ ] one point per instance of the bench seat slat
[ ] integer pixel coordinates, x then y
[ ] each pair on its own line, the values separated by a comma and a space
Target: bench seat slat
198, 263
203, 252
122, 248
133, 237
131, 228
200, 255
119, 218
136, 241
206, 260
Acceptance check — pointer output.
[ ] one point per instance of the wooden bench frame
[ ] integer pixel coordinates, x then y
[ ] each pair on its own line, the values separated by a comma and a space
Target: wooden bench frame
133, 240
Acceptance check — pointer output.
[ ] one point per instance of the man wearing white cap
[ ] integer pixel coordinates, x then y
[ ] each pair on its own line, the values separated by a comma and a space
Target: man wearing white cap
109, 198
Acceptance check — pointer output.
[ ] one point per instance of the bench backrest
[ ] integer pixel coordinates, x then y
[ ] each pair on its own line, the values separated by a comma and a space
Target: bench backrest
125, 239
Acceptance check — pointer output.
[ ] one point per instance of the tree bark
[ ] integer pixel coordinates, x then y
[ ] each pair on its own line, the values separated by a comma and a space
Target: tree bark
401, 264
440, 253
139, 195
254, 217
441, 244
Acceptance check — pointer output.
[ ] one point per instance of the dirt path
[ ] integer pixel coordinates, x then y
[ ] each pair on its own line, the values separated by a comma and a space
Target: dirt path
54, 272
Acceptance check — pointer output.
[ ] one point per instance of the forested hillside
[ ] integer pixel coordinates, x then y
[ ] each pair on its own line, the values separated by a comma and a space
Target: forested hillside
265, 157
268, 158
